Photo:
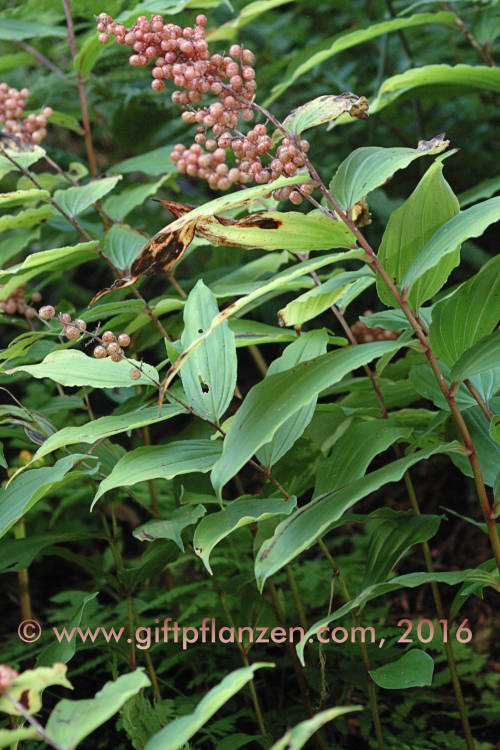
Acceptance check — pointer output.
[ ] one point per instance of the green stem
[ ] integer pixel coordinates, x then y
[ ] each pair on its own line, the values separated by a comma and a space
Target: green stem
296, 597
23, 577
253, 692
372, 695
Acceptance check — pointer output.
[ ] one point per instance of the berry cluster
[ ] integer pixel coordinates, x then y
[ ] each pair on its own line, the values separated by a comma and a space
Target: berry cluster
32, 129
16, 302
109, 344
182, 56
364, 334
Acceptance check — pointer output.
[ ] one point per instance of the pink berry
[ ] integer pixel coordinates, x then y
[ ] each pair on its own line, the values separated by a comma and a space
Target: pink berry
124, 339
108, 337
46, 312
99, 352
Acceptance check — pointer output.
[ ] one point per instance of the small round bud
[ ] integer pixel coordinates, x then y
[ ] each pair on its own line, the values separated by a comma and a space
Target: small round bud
11, 307
295, 197
64, 318
112, 348
46, 312
108, 337
79, 323
36, 297
71, 332
99, 352
124, 339
30, 312
115, 357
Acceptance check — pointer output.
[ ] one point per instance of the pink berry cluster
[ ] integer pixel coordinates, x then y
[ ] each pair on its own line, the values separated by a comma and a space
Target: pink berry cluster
109, 345
32, 128
182, 56
16, 302
364, 334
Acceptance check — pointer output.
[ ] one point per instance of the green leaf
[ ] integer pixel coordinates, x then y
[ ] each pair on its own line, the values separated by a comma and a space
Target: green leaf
15, 60
297, 737
23, 158
152, 162
99, 429
293, 536
175, 734
25, 219
495, 434
88, 55
64, 650
306, 347
480, 358
484, 189
161, 462
29, 685
19, 197
71, 721
27, 489
209, 377
463, 77
13, 29
355, 450
276, 230
120, 205
414, 669
315, 301
369, 167
217, 526
48, 260
464, 317
74, 200
276, 398
410, 580
390, 535
318, 111
121, 245
171, 528
64, 120
308, 58
248, 332
278, 282
469, 223
12, 737
251, 11
408, 229
74, 368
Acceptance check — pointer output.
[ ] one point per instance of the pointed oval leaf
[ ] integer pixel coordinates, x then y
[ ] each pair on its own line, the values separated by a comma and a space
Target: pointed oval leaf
272, 401
122, 245
160, 462
414, 669
171, 528
296, 534
323, 109
368, 167
296, 738
306, 347
71, 721
467, 315
217, 526
480, 358
74, 368
469, 223
209, 377
74, 200
408, 229
179, 731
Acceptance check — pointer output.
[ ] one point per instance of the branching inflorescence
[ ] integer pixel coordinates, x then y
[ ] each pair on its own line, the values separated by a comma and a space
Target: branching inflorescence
32, 128
182, 55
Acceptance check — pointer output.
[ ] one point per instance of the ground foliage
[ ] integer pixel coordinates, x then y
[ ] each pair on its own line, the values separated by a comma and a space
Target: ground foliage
303, 463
